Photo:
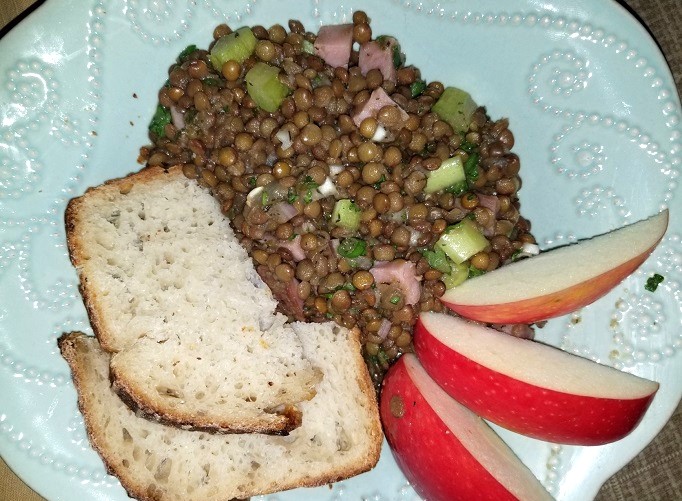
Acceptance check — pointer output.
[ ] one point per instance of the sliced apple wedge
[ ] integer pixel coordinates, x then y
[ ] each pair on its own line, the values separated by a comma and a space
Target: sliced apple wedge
528, 387
557, 281
445, 450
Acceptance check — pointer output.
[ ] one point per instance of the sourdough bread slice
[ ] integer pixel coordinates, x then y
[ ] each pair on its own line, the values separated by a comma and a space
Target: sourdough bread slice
340, 435
170, 291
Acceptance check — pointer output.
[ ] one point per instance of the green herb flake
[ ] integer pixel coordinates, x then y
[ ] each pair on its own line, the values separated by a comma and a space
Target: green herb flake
394, 299
417, 88
457, 188
161, 118
351, 248
437, 260
377, 185
306, 189
653, 282
252, 181
398, 56
467, 146
186, 52
471, 167
475, 272
264, 198
308, 196
382, 357
292, 196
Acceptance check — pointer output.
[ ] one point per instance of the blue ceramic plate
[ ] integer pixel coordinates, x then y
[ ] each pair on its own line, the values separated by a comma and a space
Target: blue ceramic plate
597, 124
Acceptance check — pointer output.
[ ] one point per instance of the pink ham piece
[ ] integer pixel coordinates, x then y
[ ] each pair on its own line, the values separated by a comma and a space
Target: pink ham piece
334, 44
294, 248
404, 273
378, 55
290, 301
384, 328
282, 212
492, 203
377, 100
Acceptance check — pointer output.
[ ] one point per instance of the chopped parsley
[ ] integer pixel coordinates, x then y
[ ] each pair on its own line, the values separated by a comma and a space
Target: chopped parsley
264, 198
352, 248
437, 260
186, 52
161, 118
470, 167
653, 282
292, 196
417, 88
475, 272
467, 146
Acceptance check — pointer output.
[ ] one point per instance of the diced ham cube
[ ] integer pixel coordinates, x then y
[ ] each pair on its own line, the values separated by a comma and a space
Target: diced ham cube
491, 202
294, 248
403, 273
377, 100
378, 55
334, 44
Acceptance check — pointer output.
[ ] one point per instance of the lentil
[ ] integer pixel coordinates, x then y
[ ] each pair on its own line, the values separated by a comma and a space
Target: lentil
228, 144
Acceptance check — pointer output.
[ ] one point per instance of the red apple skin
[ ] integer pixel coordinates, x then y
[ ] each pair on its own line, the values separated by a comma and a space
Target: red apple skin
524, 408
559, 303
430, 456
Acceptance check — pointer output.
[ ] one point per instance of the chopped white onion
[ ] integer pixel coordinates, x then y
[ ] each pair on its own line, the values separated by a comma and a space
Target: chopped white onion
327, 188
414, 237
253, 198
177, 117
335, 169
284, 138
379, 134
530, 249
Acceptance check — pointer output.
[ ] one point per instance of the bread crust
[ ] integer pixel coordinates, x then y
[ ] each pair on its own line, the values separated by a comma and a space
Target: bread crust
364, 381
75, 348
278, 424
71, 346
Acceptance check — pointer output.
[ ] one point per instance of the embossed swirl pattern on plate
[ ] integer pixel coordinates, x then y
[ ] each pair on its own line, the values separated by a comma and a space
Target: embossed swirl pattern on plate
36, 111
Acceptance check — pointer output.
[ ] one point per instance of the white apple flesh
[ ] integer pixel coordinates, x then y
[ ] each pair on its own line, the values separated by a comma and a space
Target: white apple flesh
529, 387
557, 281
444, 450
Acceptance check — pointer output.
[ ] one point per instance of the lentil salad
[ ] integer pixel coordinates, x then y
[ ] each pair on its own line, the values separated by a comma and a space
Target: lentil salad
329, 153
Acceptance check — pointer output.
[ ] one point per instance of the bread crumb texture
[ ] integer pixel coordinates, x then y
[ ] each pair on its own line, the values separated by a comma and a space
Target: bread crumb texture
172, 293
